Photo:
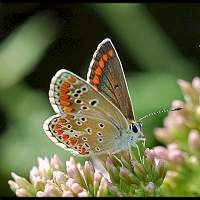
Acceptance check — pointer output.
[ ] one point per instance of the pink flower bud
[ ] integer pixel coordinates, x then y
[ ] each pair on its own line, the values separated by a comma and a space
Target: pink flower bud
76, 188
172, 146
88, 170
83, 194
185, 86
149, 153
162, 135
34, 173
59, 177
127, 176
67, 194
56, 163
39, 184
162, 169
194, 140
176, 156
70, 182
41, 194
97, 177
177, 104
174, 120
198, 112
150, 188
71, 171
52, 190
161, 152
196, 83
103, 188
13, 185
21, 192
22, 182
171, 175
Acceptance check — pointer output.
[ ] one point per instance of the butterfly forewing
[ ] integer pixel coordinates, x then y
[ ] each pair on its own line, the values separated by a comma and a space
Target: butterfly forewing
71, 94
107, 76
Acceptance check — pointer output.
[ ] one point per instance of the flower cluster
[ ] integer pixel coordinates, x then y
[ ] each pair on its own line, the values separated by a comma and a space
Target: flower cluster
134, 173
51, 179
181, 135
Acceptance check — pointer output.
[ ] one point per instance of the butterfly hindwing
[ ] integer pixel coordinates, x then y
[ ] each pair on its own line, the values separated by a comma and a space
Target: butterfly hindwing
82, 135
106, 74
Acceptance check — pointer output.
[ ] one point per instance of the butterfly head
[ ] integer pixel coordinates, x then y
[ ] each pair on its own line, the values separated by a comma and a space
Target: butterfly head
137, 129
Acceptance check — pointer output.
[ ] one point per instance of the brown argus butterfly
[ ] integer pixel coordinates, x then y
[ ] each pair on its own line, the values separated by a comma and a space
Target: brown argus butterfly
96, 115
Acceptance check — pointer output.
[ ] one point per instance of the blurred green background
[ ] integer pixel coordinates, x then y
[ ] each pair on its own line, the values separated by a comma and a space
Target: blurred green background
157, 44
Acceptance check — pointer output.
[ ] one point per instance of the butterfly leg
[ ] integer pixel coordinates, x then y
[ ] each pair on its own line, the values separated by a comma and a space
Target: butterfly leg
143, 142
138, 150
118, 159
130, 153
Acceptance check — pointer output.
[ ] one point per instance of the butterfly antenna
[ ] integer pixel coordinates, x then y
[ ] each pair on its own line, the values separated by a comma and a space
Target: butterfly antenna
159, 112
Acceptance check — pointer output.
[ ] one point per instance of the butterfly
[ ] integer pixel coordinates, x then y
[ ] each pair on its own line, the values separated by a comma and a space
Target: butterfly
93, 116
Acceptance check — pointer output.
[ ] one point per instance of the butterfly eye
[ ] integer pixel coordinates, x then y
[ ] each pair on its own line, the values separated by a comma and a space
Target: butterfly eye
134, 128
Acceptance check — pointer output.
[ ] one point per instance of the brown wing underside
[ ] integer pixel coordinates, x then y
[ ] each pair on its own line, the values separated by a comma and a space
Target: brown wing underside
106, 74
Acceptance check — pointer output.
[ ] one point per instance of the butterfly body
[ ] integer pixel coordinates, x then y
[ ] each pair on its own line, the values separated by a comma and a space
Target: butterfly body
96, 115
127, 138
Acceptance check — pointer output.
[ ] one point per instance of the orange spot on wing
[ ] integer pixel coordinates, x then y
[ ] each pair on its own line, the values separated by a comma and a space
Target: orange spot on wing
65, 85
68, 109
84, 151
72, 79
95, 80
65, 103
110, 53
62, 121
101, 63
98, 71
105, 57
72, 141
63, 97
57, 126
65, 137
59, 132
64, 90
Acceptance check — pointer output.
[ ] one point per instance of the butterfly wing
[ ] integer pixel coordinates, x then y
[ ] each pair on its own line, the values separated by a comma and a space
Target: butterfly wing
82, 112
82, 135
71, 94
106, 74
